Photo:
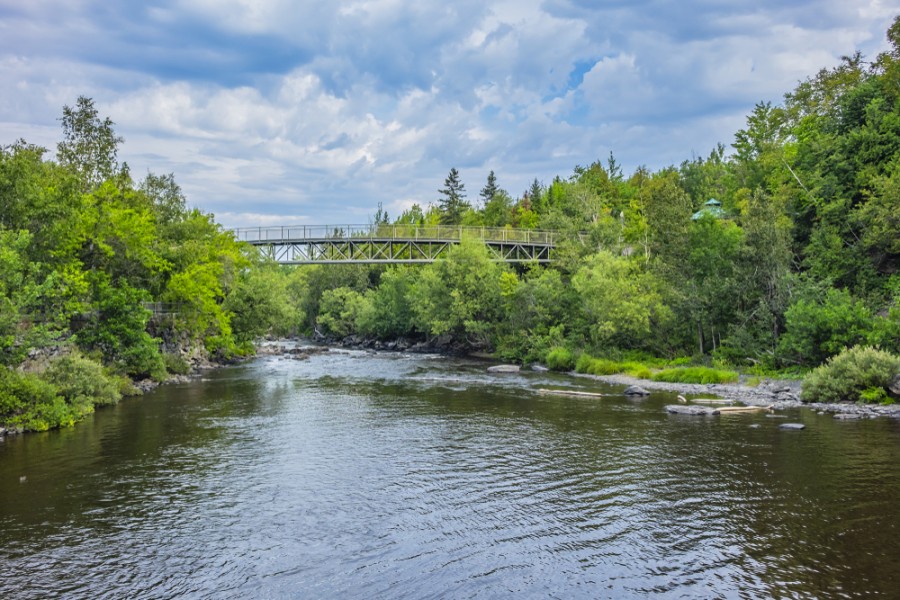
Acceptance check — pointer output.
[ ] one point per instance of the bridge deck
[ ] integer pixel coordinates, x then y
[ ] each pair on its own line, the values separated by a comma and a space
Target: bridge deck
331, 244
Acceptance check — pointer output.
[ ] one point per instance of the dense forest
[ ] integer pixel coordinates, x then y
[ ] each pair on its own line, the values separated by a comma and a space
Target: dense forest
775, 255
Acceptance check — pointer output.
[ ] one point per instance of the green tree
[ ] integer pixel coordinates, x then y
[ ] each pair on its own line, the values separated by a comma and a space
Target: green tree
339, 310
489, 190
90, 146
452, 202
622, 304
819, 326
459, 296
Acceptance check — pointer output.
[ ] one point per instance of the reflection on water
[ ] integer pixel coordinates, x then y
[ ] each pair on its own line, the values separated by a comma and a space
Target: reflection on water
360, 475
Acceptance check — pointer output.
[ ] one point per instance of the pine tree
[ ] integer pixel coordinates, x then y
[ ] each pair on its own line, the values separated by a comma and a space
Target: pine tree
453, 201
490, 189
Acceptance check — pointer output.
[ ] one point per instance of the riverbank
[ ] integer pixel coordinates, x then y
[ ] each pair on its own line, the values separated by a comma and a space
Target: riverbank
778, 393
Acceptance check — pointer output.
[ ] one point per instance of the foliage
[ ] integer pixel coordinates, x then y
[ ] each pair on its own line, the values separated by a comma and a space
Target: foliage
388, 312
560, 358
597, 366
853, 375
175, 364
695, 375
258, 303
821, 325
453, 199
30, 403
82, 381
622, 303
459, 296
89, 145
339, 310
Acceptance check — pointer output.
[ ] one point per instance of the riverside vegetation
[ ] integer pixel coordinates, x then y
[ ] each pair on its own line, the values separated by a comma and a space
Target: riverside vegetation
773, 258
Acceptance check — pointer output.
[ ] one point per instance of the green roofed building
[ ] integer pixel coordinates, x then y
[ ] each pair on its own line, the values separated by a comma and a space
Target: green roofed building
712, 207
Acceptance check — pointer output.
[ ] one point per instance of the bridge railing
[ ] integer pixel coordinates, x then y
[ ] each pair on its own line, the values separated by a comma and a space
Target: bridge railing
300, 233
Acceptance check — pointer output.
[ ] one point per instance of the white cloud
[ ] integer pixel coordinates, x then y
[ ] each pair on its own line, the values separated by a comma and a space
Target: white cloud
272, 109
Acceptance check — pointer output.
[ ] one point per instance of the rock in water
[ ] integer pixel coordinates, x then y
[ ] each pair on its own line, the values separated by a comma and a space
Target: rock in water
849, 416
504, 369
636, 390
797, 426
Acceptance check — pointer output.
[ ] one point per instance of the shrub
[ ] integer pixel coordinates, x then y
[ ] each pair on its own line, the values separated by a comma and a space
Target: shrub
82, 382
852, 375
560, 359
695, 375
822, 326
32, 404
176, 364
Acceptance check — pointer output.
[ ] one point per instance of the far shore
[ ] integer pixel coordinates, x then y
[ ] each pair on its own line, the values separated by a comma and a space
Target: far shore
779, 393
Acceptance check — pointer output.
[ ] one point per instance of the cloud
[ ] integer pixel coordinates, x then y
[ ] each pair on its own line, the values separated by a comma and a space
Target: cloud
306, 111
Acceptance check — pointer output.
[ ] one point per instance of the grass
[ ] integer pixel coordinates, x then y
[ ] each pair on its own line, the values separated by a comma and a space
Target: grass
695, 375
602, 366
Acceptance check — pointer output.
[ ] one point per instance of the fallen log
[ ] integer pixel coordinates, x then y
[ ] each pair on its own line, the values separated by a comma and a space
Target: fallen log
722, 409
712, 401
682, 409
570, 393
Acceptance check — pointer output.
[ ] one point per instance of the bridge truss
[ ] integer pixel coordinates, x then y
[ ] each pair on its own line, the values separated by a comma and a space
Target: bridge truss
327, 244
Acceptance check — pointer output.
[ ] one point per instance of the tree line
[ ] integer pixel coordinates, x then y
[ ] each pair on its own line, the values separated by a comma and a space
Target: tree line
777, 254
84, 249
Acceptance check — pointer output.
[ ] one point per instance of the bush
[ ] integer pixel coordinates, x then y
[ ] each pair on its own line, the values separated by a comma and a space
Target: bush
822, 326
175, 364
32, 404
82, 382
560, 359
695, 375
853, 375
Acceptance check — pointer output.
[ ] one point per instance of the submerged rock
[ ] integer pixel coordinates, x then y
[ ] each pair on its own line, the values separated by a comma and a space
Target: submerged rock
635, 390
849, 416
796, 426
504, 369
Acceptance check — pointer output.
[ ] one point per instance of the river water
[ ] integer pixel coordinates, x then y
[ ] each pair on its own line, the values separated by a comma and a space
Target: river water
354, 475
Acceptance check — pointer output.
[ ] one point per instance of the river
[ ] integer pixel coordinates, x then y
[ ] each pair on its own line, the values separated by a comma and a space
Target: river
355, 475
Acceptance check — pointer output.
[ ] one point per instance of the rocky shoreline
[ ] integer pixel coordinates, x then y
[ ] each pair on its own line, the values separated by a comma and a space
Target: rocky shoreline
780, 394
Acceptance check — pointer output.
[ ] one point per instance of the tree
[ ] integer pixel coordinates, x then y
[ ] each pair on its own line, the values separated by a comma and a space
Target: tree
453, 199
535, 194
489, 190
89, 145
621, 302
166, 197
460, 295
381, 216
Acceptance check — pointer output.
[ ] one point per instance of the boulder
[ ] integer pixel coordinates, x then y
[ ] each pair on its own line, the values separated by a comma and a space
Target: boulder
894, 386
635, 390
539, 368
849, 416
795, 426
504, 369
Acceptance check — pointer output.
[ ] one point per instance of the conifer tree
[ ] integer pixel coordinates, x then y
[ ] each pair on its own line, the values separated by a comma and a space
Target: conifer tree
453, 201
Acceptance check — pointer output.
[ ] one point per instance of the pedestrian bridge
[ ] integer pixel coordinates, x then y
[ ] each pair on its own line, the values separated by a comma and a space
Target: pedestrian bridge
334, 244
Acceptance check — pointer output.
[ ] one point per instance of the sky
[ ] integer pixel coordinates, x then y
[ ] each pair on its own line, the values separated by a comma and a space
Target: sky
279, 112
